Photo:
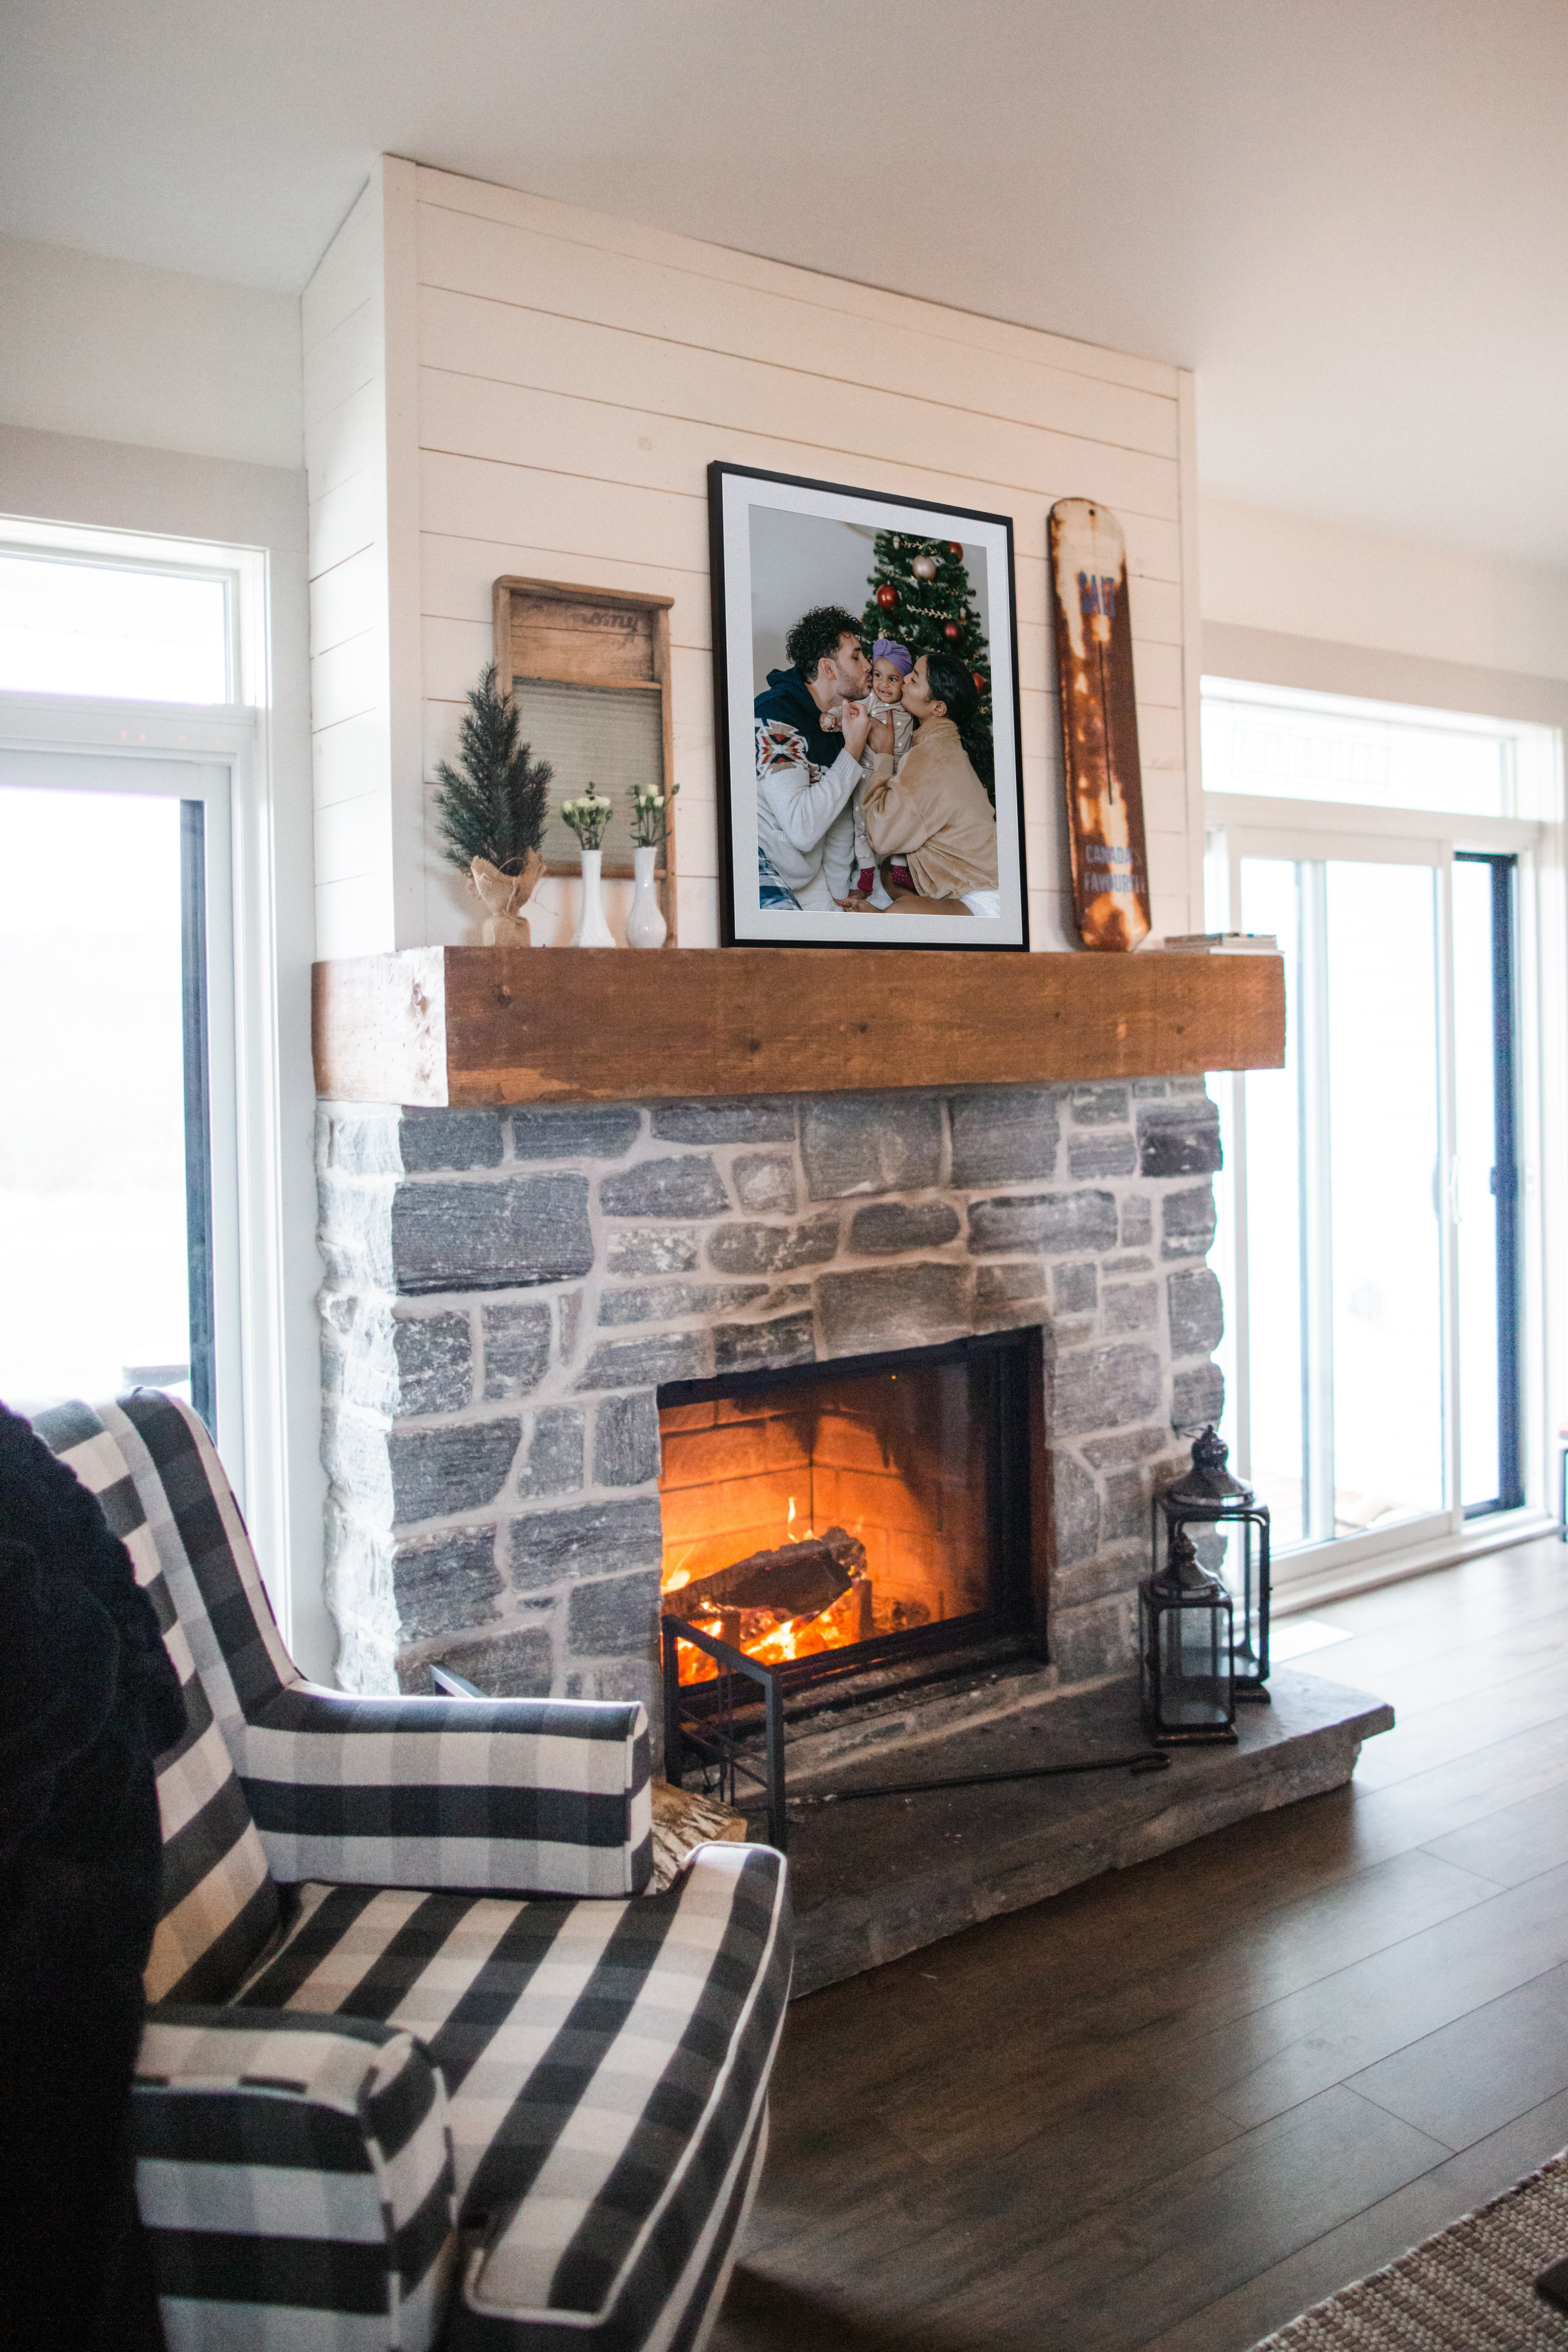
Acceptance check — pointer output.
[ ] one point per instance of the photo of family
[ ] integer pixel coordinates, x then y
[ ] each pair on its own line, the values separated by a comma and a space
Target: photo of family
866, 717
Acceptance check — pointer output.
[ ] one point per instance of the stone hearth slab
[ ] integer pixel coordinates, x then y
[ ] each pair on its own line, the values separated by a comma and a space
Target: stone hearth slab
878, 1879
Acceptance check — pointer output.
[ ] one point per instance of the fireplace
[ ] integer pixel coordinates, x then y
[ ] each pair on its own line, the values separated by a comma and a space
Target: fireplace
511, 1292
833, 1517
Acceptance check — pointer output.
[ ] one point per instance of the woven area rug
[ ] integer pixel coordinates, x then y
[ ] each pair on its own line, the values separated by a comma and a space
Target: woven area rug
1470, 2289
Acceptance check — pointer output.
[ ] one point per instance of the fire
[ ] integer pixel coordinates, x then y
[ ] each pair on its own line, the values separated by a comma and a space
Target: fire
795, 1637
884, 1472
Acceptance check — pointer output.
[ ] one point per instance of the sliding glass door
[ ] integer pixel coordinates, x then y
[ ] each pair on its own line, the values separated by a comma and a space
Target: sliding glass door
1372, 1187
1344, 1241
117, 1194
1388, 1360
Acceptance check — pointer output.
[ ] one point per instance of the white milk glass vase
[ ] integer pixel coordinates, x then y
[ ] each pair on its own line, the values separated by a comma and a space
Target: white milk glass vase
645, 926
591, 930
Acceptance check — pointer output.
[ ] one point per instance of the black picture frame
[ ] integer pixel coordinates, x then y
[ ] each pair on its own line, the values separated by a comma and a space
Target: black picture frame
758, 566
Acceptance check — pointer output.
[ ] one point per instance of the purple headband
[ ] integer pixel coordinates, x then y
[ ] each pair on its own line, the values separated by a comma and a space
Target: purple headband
885, 649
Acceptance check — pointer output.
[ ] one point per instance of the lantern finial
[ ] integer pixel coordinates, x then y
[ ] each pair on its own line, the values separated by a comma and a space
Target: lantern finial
1208, 1483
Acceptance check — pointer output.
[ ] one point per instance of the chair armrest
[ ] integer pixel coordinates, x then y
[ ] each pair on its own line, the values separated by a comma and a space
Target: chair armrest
298, 2163
622, 2229
516, 1796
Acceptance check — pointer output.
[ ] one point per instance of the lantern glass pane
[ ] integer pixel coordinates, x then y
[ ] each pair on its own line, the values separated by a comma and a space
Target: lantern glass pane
1195, 1667
1232, 1552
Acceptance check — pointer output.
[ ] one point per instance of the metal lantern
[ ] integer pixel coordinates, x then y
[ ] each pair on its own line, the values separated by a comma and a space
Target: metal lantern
1229, 1529
1185, 1640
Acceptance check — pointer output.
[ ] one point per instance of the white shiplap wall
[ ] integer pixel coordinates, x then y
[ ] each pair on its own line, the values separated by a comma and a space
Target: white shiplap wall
576, 375
357, 319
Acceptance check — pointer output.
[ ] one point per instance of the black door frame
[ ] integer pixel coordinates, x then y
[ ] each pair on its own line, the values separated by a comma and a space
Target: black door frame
1504, 873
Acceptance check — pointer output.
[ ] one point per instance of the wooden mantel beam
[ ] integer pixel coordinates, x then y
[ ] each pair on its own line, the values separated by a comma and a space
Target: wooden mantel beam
479, 1026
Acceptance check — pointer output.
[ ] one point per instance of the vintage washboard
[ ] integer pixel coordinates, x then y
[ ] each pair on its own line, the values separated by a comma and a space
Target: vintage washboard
589, 672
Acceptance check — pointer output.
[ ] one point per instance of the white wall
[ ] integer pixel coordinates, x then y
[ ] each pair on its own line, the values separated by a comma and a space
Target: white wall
1389, 607
357, 319
570, 378
148, 356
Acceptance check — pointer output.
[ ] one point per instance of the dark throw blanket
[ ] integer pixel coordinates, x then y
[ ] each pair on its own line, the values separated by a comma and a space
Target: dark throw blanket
87, 1697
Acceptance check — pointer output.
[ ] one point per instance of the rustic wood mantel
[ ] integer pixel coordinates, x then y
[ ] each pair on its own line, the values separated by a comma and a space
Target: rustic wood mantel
479, 1026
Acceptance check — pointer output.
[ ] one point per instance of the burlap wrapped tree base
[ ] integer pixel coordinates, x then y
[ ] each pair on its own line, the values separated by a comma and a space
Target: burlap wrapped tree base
1470, 2289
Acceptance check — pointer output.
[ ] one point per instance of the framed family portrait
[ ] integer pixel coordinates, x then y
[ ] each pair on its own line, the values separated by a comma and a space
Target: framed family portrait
866, 719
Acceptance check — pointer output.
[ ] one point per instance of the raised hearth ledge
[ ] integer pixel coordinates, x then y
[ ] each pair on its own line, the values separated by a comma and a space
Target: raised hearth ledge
472, 1026
878, 1879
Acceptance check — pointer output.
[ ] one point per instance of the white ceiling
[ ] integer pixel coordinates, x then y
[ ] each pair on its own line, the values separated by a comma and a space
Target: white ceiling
1347, 215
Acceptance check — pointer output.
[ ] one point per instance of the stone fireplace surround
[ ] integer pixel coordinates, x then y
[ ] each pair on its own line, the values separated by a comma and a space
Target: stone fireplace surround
505, 1289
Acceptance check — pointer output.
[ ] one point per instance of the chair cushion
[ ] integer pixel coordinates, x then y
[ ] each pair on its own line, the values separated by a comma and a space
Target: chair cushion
607, 2066
219, 1904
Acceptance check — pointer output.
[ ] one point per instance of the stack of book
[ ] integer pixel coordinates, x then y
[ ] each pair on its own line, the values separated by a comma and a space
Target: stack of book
1223, 943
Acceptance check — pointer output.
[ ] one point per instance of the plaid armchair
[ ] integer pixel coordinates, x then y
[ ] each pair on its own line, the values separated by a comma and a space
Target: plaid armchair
425, 2063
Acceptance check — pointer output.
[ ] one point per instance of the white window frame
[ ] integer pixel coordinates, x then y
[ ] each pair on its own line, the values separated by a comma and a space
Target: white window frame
38, 766
1258, 825
234, 737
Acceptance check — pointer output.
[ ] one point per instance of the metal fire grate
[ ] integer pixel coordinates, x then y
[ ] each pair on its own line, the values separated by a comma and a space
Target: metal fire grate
704, 1729
700, 1727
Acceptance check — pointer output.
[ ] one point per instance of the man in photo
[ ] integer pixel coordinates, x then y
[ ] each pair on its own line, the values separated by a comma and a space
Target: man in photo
805, 776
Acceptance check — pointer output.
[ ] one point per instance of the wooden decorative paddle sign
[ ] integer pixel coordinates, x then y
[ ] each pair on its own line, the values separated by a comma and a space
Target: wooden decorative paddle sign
1099, 726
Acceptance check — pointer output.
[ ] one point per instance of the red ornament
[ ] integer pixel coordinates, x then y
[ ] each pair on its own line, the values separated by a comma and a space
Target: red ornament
950, 629
979, 677
886, 596
953, 548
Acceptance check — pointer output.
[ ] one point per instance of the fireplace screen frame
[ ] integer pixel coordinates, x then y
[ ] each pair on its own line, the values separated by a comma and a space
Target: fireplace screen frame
1014, 1362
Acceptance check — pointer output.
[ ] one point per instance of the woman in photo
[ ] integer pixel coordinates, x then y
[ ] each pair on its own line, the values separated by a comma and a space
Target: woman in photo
930, 820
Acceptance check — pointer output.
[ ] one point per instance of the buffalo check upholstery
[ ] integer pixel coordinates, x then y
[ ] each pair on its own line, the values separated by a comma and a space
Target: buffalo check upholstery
606, 2066
220, 1904
515, 1793
297, 2162
428, 2064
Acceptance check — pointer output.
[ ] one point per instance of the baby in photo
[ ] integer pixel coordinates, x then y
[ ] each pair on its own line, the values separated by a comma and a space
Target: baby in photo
890, 665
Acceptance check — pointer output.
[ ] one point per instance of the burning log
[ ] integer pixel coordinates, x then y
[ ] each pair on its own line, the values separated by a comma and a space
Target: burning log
795, 1579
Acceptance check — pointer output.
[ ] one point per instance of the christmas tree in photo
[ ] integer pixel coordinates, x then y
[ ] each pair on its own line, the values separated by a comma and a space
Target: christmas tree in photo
920, 593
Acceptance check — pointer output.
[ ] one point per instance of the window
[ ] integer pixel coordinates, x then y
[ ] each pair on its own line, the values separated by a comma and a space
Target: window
1277, 744
1373, 1209
123, 630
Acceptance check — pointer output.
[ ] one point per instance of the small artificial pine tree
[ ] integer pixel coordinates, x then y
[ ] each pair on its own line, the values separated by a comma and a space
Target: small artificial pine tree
496, 806
920, 612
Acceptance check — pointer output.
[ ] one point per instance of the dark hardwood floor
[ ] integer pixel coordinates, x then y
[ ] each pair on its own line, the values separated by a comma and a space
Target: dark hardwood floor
1173, 2106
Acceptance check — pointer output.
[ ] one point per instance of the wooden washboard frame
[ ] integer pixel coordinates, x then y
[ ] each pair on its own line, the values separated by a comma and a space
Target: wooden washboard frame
608, 637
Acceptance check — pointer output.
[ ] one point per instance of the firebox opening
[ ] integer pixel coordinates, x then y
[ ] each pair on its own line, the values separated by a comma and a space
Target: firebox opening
870, 1506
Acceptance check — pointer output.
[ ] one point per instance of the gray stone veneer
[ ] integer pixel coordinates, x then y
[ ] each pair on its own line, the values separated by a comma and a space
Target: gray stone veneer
505, 1289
